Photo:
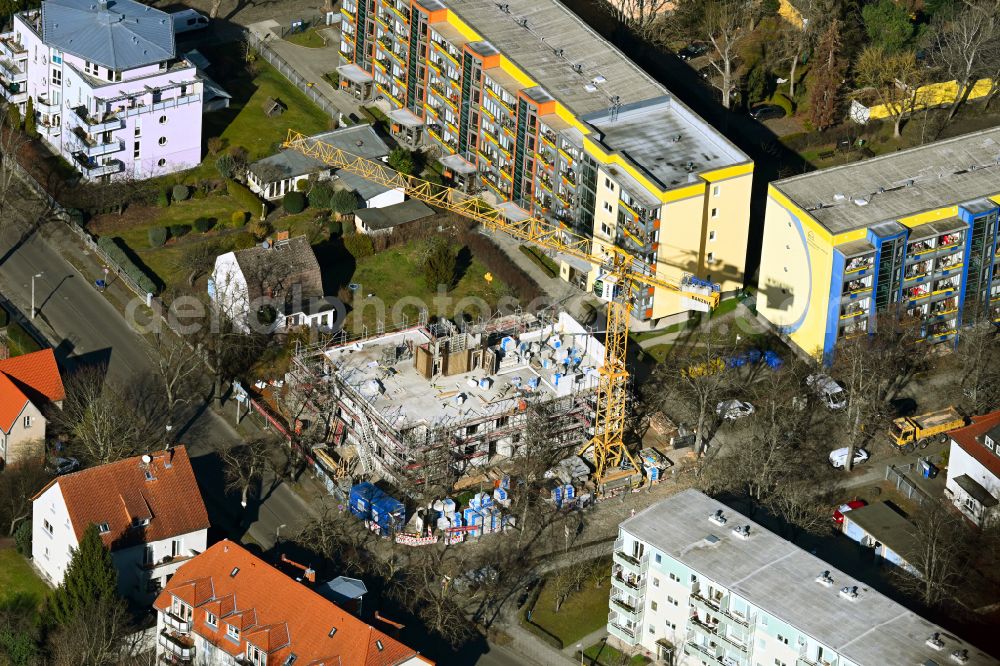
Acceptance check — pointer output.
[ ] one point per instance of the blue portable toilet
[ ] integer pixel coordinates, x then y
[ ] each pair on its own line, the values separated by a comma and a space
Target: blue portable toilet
557, 495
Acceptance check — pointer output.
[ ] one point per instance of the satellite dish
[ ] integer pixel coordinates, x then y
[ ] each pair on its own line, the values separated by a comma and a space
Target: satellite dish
146, 459
266, 244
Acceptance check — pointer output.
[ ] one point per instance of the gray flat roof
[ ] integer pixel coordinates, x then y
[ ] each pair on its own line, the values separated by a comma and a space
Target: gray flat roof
118, 34
779, 577
357, 139
388, 217
551, 28
667, 140
883, 523
941, 175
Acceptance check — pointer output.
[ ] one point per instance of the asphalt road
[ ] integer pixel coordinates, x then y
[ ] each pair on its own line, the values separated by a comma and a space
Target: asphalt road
84, 327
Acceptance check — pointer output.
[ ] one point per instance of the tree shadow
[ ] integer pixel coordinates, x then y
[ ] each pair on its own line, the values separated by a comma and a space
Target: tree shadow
336, 264
463, 260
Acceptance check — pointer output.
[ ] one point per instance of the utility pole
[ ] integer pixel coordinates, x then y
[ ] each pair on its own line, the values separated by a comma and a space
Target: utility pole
37, 275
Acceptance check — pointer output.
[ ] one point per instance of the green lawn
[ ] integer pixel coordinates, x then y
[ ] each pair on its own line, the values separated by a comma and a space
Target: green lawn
603, 654
397, 272
584, 612
309, 38
17, 577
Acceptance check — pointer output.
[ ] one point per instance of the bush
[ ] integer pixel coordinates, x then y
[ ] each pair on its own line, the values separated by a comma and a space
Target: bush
178, 230
401, 160
294, 202
245, 198
259, 230
320, 195
157, 236
19, 340
115, 249
22, 538
359, 245
215, 145
238, 218
302, 185
336, 228
550, 267
226, 166
180, 192
203, 224
439, 264
344, 202
163, 198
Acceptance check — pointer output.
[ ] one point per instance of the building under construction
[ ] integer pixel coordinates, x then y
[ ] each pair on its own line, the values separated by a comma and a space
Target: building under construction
397, 403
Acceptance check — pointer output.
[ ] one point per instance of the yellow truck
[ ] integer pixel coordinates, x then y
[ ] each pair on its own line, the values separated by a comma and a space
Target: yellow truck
909, 432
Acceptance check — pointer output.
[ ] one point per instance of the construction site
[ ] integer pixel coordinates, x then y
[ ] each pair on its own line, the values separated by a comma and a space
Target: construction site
440, 400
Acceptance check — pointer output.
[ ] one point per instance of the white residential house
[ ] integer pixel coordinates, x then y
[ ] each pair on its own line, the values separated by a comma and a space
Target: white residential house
109, 91
275, 176
282, 274
148, 510
27, 384
973, 483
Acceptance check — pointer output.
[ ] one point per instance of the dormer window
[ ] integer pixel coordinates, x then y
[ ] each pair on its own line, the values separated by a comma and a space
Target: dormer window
211, 619
140, 522
103, 528
255, 656
233, 632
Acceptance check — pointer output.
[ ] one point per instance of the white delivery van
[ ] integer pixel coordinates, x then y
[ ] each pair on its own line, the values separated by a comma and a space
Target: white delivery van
829, 391
187, 20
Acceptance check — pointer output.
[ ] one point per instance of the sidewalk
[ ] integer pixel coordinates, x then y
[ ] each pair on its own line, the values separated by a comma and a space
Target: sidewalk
534, 649
592, 638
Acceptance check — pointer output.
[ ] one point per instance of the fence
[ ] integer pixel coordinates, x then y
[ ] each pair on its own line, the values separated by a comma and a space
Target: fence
286, 70
903, 484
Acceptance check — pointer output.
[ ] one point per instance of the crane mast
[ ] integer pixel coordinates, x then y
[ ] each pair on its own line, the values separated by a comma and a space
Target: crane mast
607, 444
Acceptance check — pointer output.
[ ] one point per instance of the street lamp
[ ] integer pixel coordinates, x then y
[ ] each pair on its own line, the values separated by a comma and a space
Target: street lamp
37, 275
277, 533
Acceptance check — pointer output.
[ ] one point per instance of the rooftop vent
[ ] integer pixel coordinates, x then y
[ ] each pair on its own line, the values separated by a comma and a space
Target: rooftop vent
504, 7
934, 641
712, 539
839, 196
849, 592
961, 656
558, 52
742, 532
597, 80
290, 659
333, 630
578, 68
522, 21
910, 182
718, 518
824, 578
379, 645
861, 201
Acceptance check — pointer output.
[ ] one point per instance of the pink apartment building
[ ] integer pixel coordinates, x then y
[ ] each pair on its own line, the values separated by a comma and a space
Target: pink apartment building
109, 92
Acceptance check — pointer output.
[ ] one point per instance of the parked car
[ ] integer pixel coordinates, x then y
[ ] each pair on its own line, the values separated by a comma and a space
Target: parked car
187, 20
838, 457
767, 112
707, 71
838, 513
693, 50
64, 465
733, 409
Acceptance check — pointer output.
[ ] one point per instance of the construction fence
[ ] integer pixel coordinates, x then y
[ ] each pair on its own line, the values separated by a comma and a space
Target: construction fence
898, 477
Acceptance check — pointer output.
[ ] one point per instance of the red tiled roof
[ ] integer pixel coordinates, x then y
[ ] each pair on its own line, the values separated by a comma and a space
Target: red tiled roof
120, 492
291, 618
969, 438
33, 377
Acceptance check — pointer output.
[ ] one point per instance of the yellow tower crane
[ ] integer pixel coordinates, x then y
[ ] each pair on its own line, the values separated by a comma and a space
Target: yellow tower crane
608, 448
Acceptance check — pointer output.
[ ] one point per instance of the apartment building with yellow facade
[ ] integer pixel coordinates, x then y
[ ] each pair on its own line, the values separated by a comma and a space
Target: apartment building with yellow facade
524, 103
909, 234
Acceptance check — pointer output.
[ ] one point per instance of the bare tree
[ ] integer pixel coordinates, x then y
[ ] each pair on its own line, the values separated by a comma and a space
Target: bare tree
18, 484
341, 538
96, 634
943, 552
891, 79
872, 368
727, 24
103, 418
641, 16
12, 142
246, 464
960, 41
179, 368
693, 379
978, 354
427, 588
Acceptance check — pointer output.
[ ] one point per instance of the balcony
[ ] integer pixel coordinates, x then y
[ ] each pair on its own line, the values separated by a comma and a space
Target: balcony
705, 603
44, 105
105, 122
174, 622
700, 651
14, 93
50, 130
9, 48
623, 606
624, 634
11, 72
179, 646
627, 582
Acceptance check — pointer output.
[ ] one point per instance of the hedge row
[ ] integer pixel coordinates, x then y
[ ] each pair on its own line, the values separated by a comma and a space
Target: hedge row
115, 249
544, 262
244, 197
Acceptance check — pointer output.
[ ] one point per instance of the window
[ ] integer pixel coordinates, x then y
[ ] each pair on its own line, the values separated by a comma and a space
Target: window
608, 184
671, 600
232, 632
103, 528
782, 639
176, 546
162, 141
211, 619
57, 76
135, 150
607, 206
711, 235
147, 554
163, 120
659, 558
651, 629
715, 212
710, 258
778, 662
27, 421
652, 605
671, 626
138, 128
56, 59
255, 656
47, 526
656, 581
161, 162
715, 190
674, 578
90, 68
